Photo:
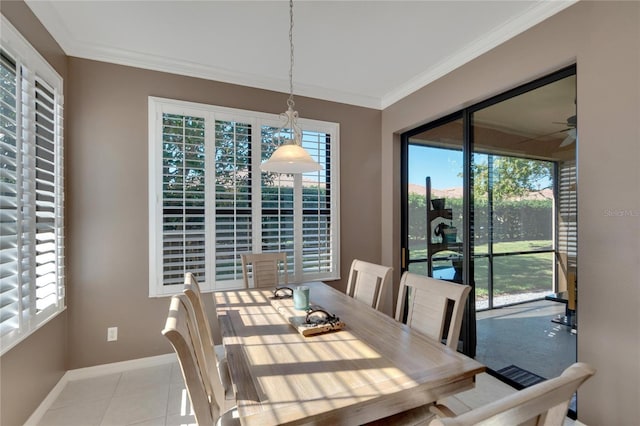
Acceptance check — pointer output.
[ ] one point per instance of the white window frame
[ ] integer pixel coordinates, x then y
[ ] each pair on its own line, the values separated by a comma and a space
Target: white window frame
211, 114
32, 67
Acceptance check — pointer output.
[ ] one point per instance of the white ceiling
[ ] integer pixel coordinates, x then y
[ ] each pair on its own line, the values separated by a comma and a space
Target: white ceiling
367, 53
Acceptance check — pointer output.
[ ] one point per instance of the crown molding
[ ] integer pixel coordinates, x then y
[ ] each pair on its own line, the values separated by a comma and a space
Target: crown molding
536, 14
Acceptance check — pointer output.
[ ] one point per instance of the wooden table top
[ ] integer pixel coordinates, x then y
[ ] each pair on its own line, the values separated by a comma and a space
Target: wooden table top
373, 368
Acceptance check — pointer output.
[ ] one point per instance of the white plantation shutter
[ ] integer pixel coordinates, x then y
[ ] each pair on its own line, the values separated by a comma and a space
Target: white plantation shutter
235, 208
568, 211
9, 198
317, 236
233, 197
31, 189
277, 219
182, 189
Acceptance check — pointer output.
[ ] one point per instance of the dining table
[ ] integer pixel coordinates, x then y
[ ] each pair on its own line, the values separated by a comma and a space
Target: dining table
370, 368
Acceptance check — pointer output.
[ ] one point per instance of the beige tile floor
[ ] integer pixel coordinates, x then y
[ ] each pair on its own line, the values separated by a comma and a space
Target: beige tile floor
156, 396
146, 396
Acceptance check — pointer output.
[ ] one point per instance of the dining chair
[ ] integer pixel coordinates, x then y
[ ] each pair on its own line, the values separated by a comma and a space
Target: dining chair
428, 301
184, 341
545, 403
367, 282
265, 268
212, 355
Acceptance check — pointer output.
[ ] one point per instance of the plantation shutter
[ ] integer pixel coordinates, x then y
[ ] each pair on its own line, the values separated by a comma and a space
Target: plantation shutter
31, 190
183, 198
47, 185
276, 219
233, 197
10, 171
210, 202
317, 237
568, 211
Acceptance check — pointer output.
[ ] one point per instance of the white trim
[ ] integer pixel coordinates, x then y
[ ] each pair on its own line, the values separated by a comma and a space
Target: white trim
14, 42
119, 367
91, 372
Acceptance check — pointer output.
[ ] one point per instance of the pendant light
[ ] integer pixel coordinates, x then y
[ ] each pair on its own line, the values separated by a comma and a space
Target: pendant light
290, 157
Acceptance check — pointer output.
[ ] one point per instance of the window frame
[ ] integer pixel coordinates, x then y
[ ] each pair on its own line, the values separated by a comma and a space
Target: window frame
35, 78
211, 114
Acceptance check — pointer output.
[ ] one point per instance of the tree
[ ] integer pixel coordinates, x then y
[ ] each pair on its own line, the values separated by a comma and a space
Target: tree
512, 177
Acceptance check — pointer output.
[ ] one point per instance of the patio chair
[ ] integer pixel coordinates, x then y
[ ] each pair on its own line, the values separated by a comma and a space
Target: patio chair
428, 302
265, 268
367, 282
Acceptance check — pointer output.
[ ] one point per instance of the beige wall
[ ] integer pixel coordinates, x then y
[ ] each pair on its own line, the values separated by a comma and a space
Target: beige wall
107, 207
603, 38
30, 370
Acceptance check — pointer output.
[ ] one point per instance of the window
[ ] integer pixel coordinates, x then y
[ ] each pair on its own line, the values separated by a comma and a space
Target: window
210, 203
31, 190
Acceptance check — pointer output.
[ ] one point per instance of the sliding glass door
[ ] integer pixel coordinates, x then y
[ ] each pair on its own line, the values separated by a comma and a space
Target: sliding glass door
434, 228
489, 201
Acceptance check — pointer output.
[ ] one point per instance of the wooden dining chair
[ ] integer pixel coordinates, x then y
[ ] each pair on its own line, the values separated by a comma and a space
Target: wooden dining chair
367, 282
184, 341
265, 268
543, 404
213, 355
428, 301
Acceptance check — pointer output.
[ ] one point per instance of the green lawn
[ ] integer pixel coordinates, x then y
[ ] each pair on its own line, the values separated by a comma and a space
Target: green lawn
522, 273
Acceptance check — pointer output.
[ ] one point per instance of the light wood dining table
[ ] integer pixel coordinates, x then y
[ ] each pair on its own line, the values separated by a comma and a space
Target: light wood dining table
371, 369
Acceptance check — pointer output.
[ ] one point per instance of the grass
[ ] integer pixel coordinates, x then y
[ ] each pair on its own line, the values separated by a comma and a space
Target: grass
512, 274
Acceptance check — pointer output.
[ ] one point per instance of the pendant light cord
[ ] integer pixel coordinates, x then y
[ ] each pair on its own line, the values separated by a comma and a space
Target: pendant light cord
290, 102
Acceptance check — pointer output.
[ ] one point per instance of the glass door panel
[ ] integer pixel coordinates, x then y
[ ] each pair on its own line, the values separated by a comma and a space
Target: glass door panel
435, 228
521, 145
434, 208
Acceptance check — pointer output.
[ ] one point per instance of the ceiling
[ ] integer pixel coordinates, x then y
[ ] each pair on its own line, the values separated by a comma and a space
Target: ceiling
366, 53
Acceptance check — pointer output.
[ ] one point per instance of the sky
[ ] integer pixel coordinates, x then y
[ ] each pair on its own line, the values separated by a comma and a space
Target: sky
442, 165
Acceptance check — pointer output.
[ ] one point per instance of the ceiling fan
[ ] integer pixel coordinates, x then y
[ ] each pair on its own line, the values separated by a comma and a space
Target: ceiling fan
570, 129
572, 132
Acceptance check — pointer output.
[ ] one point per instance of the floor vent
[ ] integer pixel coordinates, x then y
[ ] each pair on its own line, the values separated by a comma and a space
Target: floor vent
519, 378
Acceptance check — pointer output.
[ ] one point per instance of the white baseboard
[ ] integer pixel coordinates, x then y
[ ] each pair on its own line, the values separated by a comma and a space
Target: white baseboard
95, 371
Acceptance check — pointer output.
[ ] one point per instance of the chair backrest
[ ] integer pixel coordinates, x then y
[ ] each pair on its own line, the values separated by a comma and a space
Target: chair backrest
367, 281
428, 303
543, 404
199, 323
265, 269
184, 341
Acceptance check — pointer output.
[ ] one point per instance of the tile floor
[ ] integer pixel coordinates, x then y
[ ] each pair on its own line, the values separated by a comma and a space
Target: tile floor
146, 396
155, 396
